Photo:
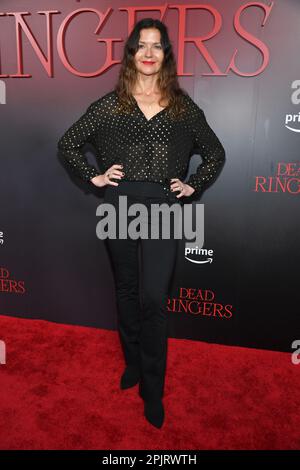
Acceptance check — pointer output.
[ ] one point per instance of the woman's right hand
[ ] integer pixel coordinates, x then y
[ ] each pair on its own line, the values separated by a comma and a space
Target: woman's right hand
112, 172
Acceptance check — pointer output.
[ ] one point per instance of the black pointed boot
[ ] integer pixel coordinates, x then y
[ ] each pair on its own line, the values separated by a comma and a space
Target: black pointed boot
154, 412
130, 377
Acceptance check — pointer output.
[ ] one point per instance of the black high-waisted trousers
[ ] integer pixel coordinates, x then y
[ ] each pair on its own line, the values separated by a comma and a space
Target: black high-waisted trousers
142, 319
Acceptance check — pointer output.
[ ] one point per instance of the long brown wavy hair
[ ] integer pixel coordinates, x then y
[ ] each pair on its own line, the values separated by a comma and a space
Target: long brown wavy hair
167, 80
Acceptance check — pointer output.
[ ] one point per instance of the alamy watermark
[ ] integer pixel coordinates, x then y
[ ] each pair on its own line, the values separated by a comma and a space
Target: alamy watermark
2, 352
161, 220
296, 354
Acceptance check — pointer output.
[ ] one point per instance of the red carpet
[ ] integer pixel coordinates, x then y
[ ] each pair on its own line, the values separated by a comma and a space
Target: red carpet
60, 390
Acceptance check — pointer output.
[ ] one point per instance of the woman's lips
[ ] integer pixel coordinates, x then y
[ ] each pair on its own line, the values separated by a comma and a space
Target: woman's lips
148, 62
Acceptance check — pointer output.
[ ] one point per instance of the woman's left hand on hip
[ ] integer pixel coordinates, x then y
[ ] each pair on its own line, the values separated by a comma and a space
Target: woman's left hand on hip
183, 188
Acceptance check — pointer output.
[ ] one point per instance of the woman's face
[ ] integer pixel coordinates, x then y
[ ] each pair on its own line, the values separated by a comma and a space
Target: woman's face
149, 56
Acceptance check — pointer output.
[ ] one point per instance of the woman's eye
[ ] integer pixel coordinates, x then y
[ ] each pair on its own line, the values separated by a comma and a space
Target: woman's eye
142, 45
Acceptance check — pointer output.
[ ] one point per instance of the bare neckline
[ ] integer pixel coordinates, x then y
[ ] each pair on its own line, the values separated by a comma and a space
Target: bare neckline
144, 114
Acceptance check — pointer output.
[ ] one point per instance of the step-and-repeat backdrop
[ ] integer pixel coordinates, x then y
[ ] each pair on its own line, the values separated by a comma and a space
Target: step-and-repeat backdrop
239, 60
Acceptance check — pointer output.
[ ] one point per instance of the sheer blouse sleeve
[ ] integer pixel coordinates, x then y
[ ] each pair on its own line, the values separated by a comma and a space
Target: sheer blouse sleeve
209, 147
71, 143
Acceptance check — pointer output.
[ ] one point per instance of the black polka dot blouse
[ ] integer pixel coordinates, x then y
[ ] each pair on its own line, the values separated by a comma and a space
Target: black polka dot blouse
155, 149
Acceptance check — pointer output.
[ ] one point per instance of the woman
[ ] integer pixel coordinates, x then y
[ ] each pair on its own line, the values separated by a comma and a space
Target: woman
145, 132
